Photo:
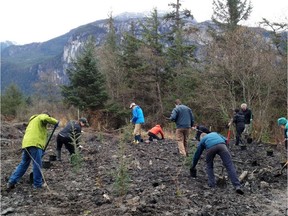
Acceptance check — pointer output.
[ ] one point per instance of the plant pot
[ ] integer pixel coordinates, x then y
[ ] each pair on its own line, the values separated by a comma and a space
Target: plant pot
254, 163
243, 147
52, 158
269, 153
46, 164
249, 140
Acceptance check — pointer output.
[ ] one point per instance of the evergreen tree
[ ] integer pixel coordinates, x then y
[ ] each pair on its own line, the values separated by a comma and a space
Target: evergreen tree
11, 101
129, 59
87, 85
179, 52
109, 63
230, 12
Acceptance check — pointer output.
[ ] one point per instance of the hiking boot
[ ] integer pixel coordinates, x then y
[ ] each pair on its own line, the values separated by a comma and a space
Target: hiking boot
10, 186
136, 142
58, 155
239, 191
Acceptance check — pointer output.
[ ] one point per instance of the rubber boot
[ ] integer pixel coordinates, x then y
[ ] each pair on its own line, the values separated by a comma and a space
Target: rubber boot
58, 155
136, 139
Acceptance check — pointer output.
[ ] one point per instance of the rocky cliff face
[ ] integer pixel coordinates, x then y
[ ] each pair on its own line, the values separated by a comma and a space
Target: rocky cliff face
24, 64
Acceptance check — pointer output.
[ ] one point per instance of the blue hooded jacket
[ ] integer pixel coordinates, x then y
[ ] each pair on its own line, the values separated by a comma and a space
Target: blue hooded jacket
138, 116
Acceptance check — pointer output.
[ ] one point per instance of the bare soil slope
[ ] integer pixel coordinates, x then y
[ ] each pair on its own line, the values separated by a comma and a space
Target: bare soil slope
158, 180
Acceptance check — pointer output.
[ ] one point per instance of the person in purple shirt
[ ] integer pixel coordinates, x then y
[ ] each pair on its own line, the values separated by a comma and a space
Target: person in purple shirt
215, 144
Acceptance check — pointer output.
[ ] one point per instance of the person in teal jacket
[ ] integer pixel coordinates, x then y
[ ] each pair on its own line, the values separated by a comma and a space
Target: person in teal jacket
215, 144
283, 123
33, 145
137, 119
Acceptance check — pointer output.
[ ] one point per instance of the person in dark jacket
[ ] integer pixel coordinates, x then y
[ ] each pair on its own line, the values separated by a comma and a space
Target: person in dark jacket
69, 136
199, 130
215, 144
239, 121
248, 119
183, 117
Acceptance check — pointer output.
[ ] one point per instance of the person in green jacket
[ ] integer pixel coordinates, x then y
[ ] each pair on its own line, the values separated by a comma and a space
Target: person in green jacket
33, 145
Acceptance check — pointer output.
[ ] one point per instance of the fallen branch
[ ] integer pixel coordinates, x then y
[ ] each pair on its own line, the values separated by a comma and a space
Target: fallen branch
242, 162
112, 131
243, 176
162, 159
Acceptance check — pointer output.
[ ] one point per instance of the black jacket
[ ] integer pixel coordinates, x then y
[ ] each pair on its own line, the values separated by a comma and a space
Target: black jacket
247, 115
239, 119
72, 130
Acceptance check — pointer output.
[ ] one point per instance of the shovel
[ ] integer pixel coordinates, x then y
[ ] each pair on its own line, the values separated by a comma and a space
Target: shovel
228, 135
281, 171
55, 126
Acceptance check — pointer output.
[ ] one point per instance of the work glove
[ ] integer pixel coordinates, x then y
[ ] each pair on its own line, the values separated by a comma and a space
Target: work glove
57, 124
193, 172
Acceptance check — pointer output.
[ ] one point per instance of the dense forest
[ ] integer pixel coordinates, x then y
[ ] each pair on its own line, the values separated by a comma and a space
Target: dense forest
154, 69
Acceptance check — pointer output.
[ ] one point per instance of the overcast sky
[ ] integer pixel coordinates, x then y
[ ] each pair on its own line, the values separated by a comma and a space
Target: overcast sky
27, 21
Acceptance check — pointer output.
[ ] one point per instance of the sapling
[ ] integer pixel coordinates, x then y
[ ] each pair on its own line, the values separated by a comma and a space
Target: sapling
76, 158
122, 178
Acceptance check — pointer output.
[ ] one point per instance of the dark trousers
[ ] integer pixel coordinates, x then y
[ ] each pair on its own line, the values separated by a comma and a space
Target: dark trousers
223, 152
67, 142
239, 131
152, 136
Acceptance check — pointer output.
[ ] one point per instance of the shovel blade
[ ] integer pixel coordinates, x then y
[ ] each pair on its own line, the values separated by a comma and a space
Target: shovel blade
31, 178
278, 174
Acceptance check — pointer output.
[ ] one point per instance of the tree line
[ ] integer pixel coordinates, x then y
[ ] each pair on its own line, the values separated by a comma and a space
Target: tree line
153, 69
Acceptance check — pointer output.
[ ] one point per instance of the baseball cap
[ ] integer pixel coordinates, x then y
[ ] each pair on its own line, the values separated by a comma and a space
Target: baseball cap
84, 121
132, 104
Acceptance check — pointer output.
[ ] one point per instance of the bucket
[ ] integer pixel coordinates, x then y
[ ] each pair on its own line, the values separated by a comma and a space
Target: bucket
249, 140
269, 153
52, 158
46, 164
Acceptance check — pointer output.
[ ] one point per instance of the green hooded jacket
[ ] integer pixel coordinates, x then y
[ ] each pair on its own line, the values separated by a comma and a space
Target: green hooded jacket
36, 131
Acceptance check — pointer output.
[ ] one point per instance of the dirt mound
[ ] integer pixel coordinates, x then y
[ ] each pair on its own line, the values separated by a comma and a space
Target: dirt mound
120, 178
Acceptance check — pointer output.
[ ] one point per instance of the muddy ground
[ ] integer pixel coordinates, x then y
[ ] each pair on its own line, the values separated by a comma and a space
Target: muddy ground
119, 178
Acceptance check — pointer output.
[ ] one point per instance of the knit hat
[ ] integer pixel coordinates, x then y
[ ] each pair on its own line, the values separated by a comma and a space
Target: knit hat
282, 121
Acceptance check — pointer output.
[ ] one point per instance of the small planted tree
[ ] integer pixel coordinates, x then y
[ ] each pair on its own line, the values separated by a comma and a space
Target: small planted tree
121, 176
76, 158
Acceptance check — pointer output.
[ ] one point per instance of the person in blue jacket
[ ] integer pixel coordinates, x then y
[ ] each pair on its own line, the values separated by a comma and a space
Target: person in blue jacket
283, 123
215, 144
137, 119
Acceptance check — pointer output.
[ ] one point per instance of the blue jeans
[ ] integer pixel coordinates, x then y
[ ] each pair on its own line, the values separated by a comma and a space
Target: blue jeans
27, 153
223, 152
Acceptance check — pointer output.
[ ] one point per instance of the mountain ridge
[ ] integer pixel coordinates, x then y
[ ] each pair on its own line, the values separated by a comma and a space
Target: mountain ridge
23, 64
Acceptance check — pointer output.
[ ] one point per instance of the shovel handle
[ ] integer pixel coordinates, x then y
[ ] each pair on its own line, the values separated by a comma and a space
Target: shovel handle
55, 126
285, 165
